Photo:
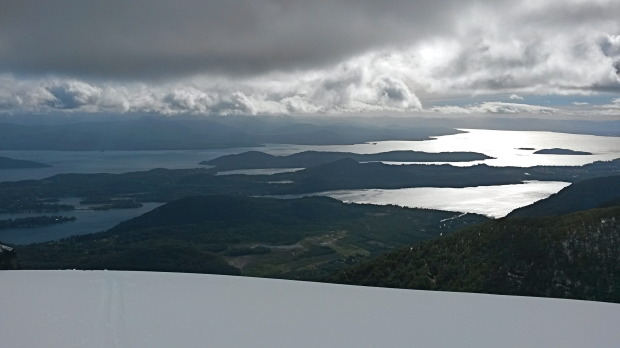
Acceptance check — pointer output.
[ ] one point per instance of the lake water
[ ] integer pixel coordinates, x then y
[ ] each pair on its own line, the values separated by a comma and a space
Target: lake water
492, 201
88, 221
504, 146
116, 162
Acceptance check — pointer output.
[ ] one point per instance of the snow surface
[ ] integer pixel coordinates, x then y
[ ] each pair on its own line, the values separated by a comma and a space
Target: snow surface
140, 309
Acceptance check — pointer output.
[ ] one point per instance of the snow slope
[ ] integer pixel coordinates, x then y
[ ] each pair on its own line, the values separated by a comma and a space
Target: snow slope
139, 309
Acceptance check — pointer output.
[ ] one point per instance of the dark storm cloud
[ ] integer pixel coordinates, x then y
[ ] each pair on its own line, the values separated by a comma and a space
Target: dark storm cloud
298, 56
124, 39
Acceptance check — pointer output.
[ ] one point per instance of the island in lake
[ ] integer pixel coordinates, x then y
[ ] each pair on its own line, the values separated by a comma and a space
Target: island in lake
307, 159
557, 151
107, 203
10, 163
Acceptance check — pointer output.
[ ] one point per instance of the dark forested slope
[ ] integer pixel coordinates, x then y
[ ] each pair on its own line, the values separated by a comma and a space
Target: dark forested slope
570, 256
586, 194
8, 260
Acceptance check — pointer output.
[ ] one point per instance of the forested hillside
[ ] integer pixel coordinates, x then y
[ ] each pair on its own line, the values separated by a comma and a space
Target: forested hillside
302, 238
586, 194
571, 256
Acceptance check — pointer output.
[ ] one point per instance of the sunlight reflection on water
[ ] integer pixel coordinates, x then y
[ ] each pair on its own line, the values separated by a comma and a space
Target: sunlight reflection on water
505, 146
493, 201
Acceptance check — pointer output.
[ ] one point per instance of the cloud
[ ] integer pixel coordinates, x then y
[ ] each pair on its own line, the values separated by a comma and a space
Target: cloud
613, 107
73, 94
23, 96
345, 88
496, 108
286, 57
147, 38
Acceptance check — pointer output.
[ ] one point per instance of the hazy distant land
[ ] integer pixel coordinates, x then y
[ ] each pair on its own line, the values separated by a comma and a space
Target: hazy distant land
156, 133
152, 132
10, 163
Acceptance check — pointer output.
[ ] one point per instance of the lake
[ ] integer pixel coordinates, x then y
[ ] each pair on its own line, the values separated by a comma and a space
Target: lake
90, 162
503, 145
507, 148
88, 221
492, 201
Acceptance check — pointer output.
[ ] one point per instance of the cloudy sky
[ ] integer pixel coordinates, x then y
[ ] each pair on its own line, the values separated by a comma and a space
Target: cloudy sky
311, 57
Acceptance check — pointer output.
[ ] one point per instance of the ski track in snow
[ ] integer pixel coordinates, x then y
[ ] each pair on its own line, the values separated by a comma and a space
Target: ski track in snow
112, 312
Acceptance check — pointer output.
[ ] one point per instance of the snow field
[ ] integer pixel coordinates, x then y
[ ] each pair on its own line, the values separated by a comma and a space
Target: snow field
141, 309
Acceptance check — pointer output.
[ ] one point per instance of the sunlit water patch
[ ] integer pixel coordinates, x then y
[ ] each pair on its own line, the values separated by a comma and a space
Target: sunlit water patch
493, 201
509, 148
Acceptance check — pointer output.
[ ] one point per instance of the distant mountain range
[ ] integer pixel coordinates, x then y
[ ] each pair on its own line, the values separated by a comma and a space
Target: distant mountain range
150, 132
188, 134
144, 134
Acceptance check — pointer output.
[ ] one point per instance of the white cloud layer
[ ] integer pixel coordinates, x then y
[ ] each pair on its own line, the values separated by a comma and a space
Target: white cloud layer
612, 108
294, 57
496, 108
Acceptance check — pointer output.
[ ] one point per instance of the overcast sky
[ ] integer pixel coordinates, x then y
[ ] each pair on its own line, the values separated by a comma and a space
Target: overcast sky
294, 56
